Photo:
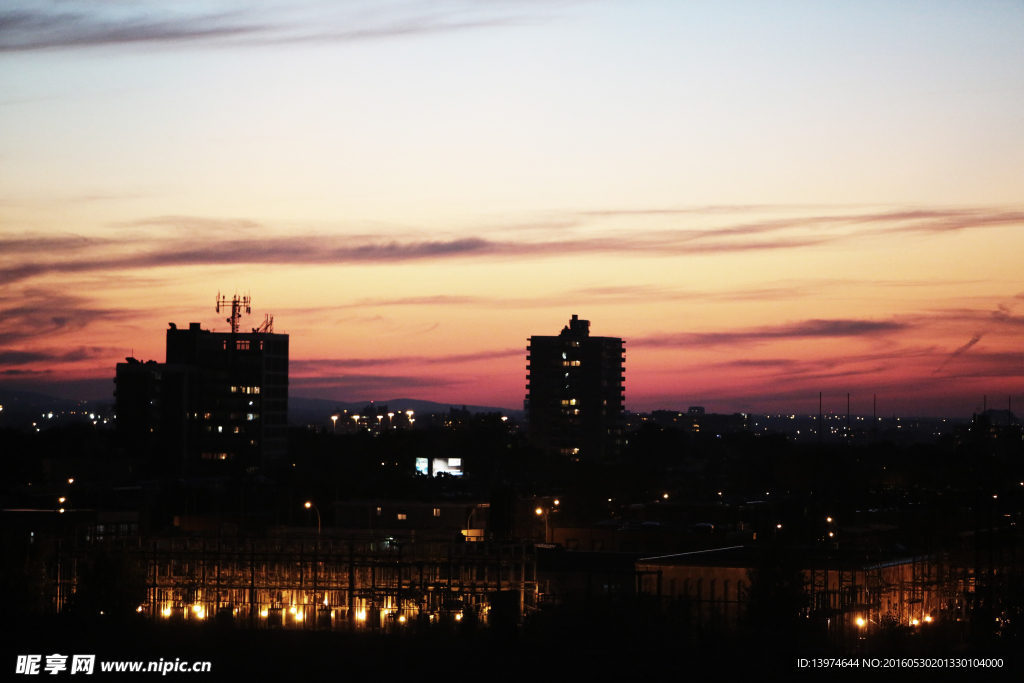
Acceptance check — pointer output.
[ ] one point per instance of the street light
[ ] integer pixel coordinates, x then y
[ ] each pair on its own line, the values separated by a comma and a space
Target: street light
334, 419
310, 505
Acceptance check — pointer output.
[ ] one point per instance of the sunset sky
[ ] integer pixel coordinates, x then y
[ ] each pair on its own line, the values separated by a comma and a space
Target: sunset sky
764, 199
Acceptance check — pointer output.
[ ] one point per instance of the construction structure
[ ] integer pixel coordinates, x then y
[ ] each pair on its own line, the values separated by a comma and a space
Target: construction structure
327, 581
576, 392
218, 397
849, 592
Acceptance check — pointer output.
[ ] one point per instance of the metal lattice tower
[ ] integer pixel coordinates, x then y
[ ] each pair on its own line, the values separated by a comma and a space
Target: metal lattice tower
237, 304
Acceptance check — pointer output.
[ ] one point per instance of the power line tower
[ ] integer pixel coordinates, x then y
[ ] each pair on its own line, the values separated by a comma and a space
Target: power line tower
237, 303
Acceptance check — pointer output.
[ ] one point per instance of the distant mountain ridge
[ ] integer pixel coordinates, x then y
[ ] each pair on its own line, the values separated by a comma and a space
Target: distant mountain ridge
318, 410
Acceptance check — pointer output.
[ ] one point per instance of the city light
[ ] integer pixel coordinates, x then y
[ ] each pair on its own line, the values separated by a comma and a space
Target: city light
308, 505
860, 622
166, 611
927, 619
539, 511
458, 617
361, 616
557, 501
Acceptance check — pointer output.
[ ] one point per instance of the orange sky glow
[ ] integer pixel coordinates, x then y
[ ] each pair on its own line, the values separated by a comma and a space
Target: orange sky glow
764, 202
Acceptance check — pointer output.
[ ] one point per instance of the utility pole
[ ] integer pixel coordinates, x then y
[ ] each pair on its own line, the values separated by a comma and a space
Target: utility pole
874, 418
819, 417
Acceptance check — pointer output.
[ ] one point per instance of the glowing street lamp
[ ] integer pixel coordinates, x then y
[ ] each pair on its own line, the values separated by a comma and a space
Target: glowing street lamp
334, 419
309, 504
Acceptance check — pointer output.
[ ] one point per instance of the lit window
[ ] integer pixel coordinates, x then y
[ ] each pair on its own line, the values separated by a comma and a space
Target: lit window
250, 416
242, 345
572, 401
401, 515
378, 511
454, 462
234, 390
437, 512
220, 430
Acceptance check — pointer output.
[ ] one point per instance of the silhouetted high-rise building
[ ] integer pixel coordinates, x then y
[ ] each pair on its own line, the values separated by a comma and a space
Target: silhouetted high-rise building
221, 396
575, 395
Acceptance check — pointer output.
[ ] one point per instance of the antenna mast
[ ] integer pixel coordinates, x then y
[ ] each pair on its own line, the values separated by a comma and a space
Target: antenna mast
237, 304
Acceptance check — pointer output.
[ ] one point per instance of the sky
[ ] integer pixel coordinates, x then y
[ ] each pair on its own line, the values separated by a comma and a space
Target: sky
765, 200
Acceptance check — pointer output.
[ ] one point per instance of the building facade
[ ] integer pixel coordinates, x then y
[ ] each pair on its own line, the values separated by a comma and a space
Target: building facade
575, 392
220, 396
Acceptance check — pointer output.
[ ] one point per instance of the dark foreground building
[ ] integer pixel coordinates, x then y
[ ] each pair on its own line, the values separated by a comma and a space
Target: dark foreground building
220, 396
575, 395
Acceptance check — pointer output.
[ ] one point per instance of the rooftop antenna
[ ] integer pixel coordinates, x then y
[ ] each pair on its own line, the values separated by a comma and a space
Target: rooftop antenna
237, 304
267, 326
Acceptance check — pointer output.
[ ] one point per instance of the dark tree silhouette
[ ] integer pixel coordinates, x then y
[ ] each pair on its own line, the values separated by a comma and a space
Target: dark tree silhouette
112, 584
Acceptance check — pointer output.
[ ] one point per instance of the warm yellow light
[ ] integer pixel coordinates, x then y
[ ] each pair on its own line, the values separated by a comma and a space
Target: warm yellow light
292, 610
197, 608
538, 511
557, 501
61, 499
778, 526
458, 617
298, 617
71, 481
860, 622
390, 415
408, 413
830, 534
61, 510
401, 620
200, 615
264, 613
308, 505
828, 519
914, 622
167, 611
139, 608
927, 619
664, 495
361, 616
